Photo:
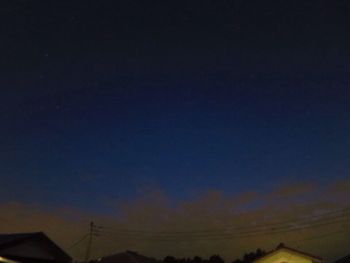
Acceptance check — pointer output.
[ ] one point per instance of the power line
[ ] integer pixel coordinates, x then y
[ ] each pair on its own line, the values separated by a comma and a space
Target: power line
322, 236
94, 231
226, 236
216, 238
231, 234
222, 239
281, 229
281, 224
78, 242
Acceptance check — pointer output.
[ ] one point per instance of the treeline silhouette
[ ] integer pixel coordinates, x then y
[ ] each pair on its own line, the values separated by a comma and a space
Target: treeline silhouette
251, 256
247, 258
196, 259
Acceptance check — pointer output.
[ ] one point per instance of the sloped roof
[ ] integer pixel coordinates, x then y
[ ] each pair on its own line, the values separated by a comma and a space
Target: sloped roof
345, 259
12, 240
126, 257
6, 260
281, 246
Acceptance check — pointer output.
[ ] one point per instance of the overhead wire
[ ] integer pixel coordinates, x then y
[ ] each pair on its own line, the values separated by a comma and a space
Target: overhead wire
225, 229
176, 236
78, 241
276, 224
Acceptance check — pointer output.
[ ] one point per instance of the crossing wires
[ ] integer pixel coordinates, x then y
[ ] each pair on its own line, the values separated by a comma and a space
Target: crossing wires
328, 219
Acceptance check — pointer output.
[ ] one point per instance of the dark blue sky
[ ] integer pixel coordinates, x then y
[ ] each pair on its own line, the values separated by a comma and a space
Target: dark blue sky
104, 101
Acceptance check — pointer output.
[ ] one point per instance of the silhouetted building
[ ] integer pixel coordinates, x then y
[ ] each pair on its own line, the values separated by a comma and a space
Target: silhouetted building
30, 248
345, 259
284, 254
126, 257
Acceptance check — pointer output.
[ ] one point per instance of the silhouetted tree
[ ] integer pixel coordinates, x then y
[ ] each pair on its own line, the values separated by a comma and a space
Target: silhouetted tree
216, 259
197, 259
169, 259
259, 253
251, 256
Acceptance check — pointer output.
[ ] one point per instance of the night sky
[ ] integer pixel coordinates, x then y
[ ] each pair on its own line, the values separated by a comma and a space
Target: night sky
105, 102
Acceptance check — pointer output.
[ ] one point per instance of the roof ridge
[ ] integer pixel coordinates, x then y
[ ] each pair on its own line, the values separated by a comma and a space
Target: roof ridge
21, 233
282, 246
8, 240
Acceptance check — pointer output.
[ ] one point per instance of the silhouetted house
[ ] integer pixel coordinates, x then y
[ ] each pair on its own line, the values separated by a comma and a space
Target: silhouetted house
284, 254
345, 259
126, 257
29, 248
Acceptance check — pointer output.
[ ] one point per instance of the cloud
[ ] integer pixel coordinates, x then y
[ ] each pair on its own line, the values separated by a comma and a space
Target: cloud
340, 188
211, 223
293, 190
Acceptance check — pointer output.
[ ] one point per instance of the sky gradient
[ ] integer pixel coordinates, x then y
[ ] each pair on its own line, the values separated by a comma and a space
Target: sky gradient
107, 102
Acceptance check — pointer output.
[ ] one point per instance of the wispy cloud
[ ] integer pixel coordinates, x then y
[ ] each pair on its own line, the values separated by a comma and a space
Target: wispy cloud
211, 223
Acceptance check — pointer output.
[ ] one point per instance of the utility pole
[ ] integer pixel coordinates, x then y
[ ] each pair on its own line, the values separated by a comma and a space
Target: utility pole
88, 248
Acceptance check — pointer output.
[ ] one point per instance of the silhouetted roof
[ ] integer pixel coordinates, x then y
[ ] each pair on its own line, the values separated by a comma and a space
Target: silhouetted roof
282, 246
12, 240
345, 259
